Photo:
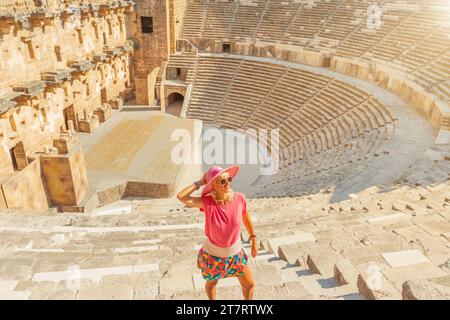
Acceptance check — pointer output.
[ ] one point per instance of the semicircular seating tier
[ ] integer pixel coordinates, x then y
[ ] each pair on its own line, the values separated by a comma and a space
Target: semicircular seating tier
316, 115
411, 35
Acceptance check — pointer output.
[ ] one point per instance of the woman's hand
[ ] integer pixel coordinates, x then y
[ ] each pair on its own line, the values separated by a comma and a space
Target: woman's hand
254, 247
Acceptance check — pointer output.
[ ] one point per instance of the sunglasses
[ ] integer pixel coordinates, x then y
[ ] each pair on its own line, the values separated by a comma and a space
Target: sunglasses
224, 181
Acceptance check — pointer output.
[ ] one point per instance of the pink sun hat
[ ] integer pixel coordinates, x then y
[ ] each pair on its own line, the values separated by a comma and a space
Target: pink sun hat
215, 172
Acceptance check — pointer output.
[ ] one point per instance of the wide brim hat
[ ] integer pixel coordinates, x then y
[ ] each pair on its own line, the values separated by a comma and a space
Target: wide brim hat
214, 173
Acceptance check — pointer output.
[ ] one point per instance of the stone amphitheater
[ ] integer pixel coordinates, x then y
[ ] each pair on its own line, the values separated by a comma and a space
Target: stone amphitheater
91, 92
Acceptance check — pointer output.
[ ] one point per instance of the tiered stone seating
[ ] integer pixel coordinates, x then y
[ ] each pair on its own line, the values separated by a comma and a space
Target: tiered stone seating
380, 229
341, 23
310, 248
187, 61
238, 107
426, 51
308, 20
275, 20
412, 36
363, 38
125, 264
213, 77
246, 18
414, 42
194, 19
410, 32
218, 19
325, 168
435, 77
433, 168
299, 103
331, 126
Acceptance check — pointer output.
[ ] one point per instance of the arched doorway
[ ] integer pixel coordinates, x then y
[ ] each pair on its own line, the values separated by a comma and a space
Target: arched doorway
174, 104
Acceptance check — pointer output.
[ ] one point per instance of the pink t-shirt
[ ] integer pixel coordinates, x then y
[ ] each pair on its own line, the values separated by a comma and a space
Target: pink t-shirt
223, 223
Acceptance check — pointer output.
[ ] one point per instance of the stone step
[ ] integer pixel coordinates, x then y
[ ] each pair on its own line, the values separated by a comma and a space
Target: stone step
404, 258
297, 291
322, 259
294, 274
274, 243
373, 285
199, 282
345, 272
329, 288
262, 292
398, 275
305, 254
425, 289
264, 258
75, 273
101, 230
121, 207
318, 286
290, 253
7, 286
15, 295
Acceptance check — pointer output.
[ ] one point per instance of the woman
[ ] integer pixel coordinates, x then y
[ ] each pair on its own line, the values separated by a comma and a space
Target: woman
221, 255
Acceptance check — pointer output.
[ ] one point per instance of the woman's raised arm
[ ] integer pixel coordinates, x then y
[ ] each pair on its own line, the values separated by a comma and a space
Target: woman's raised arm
185, 194
185, 197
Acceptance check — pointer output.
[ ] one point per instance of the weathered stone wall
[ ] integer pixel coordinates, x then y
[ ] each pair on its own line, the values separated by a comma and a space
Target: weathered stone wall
61, 64
17, 6
146, 88
25, 189
352, 67
260, 49
66, 177
152, 49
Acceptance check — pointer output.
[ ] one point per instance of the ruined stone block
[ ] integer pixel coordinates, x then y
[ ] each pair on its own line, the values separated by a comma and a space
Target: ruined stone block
6, 104
81, 65
322, 259
65, 177
90, 125
373, 285
57, 76
24, 189
274, 243
30, 88
289, 253
101, 57
425, 289
345, 272
116, 103
113, 52
103, 112
65, 143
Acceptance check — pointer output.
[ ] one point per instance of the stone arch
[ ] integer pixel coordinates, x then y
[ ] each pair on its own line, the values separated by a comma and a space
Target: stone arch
174, 103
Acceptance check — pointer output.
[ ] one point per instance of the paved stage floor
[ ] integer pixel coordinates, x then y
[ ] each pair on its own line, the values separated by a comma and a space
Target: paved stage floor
133, 145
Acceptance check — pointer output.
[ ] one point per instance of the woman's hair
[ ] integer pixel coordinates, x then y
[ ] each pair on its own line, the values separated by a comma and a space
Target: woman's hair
214, 185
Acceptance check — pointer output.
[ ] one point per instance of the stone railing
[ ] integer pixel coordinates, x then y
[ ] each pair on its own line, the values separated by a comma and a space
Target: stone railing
187, 101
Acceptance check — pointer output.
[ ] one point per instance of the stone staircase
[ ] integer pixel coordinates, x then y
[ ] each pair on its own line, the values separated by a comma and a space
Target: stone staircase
376, 245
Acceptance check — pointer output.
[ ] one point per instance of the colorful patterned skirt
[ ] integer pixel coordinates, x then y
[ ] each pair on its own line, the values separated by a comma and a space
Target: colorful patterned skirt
215, 268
